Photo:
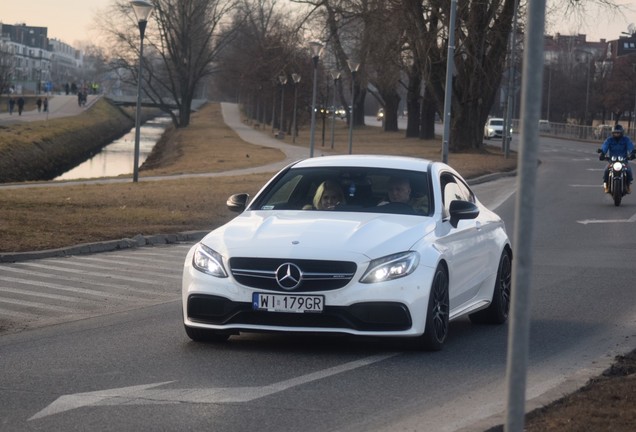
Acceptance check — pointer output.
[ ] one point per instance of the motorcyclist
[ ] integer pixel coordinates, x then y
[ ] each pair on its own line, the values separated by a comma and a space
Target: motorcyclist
618, 145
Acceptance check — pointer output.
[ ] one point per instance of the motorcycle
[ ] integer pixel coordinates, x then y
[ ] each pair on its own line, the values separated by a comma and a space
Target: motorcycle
617, 180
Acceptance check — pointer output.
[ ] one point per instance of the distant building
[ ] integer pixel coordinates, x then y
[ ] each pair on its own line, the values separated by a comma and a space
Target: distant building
38, 64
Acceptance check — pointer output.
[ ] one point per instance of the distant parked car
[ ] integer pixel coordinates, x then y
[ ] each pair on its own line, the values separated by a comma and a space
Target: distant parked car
544, 126
380, 115
494, 128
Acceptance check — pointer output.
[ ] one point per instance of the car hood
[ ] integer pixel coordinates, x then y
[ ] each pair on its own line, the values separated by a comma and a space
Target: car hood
318, 235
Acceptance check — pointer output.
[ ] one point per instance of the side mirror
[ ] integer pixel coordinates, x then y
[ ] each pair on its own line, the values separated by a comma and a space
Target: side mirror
462, 210
237, 202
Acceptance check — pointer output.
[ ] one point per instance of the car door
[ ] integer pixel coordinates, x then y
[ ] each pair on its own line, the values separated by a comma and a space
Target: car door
465, 245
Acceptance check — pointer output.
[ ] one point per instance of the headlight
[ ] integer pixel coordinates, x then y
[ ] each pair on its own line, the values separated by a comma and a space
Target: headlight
208, 261
618, 166
391, 267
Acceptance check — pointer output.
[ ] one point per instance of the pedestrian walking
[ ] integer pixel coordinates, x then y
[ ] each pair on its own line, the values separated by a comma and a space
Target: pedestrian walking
39, 104
11, 105
20, 105
46, 104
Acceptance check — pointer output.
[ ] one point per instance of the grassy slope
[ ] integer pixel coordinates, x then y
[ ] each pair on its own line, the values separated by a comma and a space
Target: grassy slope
45, 149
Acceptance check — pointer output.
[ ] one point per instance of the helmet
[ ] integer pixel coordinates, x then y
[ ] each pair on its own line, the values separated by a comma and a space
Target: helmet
617, 130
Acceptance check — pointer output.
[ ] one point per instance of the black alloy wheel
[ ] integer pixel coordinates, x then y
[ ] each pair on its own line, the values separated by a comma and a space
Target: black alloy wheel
437, 313
497, 312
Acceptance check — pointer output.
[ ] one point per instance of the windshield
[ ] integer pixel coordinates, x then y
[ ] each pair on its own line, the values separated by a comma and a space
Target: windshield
376, 190
496, 122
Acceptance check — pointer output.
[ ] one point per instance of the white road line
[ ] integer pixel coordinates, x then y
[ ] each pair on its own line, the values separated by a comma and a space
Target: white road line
114, 268
31, 293
84, 291
605, 221
128, 261
37, 305
15, 314
65, 278
147, 394
85, 273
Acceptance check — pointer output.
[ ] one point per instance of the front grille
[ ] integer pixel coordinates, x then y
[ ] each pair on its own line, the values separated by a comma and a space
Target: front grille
317, 275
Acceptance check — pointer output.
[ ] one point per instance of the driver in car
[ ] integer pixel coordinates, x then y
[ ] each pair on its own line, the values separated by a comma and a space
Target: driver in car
399, 191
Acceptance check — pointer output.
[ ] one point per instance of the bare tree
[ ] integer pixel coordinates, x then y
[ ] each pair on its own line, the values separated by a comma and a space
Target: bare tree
267, 45
620, 97
7, 64
183, 39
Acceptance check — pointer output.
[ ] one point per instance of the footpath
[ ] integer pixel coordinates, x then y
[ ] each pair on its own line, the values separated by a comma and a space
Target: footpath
59, 106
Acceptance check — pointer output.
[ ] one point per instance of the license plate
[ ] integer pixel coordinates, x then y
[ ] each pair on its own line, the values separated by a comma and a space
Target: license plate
287, 303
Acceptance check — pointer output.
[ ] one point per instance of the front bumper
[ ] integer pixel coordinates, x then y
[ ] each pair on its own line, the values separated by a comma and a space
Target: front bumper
392, 308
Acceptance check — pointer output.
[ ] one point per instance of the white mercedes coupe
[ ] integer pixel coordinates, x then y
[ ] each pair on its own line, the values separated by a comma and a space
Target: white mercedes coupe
404, 247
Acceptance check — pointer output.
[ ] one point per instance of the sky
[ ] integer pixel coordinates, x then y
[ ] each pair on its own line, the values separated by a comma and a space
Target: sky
71, 20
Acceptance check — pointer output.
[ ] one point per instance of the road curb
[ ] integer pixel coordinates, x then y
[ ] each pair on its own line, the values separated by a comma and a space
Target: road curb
105, 246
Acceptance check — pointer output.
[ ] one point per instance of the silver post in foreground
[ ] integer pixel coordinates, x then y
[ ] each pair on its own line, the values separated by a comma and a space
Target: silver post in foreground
450, 66
519, 332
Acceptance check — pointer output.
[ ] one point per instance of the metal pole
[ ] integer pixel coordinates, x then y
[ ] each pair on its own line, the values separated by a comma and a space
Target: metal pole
296, 79
283, 81
450, 66
282, 102
313, 108
519, 331
142, 28
274, 109
336, 77
587, 92
353, 102
547, 117
511, 72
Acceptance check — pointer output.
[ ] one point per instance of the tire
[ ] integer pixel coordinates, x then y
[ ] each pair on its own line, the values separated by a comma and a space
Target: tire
497, 312
205, 335
617, 191
437, 313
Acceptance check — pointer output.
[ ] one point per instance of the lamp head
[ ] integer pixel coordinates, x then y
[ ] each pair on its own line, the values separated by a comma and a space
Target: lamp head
316, 49
282, 78
142, 9
335, 75
353, 66
296, 78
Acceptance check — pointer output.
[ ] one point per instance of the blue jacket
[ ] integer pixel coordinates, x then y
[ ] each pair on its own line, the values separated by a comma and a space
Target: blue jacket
622, 146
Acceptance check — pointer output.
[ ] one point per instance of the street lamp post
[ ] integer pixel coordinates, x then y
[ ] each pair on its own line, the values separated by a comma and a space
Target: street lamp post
296, 79
282, 78
353, 67
316, 48
448, 94
142, 11
336, 76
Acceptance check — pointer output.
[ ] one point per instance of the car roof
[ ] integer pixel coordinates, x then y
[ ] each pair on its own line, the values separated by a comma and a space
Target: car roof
374, 161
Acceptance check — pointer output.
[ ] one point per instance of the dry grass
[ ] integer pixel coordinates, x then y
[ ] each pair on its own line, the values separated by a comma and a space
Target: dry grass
50, 217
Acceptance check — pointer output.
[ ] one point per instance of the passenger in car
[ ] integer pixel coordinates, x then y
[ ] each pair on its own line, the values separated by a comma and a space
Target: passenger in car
327, 197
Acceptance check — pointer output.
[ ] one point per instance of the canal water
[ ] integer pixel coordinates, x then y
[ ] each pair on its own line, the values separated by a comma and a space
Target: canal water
118, 157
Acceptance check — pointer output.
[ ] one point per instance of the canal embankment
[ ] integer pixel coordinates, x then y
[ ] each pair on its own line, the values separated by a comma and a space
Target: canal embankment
44, 149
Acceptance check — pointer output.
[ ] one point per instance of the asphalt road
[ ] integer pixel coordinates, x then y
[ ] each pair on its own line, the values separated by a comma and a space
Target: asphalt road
113, 354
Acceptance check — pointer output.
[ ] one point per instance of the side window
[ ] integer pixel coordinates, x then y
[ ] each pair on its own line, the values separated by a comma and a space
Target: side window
454, 189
